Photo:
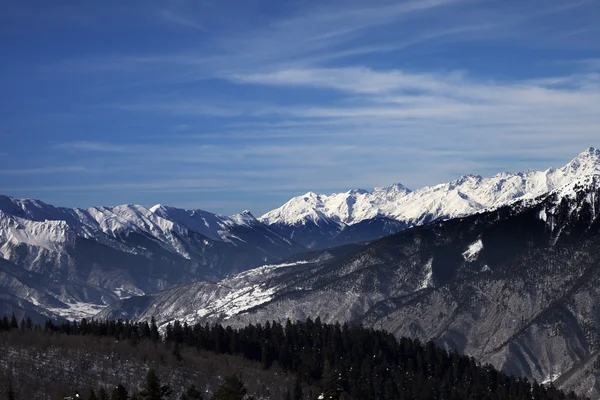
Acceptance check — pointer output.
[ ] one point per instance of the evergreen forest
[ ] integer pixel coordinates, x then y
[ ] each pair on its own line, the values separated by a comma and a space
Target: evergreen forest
297, 360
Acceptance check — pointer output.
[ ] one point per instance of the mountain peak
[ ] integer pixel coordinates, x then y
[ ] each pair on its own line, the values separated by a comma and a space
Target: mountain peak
244, 218
463, 196
157, 207
354, 192
591, 153
586, 163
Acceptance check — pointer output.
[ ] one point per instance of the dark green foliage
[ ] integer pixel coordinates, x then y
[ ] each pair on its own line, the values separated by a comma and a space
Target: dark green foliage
153, 389
13, 322
298, 390
119, 393
10, 393
354, 362
343, 361
232, 389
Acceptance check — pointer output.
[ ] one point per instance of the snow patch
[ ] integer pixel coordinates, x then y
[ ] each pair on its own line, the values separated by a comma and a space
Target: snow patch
473, 250
550, 378
427, 281
77, 310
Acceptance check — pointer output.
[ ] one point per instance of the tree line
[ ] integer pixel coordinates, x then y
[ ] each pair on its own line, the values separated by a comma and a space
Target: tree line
344, 361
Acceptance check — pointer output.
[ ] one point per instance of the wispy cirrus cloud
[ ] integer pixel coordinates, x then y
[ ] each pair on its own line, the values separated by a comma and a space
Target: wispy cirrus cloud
194, 103
93, 146
44, 171
181, 20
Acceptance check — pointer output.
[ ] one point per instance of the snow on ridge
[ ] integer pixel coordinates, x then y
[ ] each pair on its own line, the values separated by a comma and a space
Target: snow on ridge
248, 289
50, 235
466, 195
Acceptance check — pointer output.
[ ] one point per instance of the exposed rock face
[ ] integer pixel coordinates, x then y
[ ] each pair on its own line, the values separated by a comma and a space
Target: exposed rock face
118, 252
517, 287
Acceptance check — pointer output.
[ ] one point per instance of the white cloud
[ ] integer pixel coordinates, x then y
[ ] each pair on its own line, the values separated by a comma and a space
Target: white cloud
94, 146
43, 170
181, 20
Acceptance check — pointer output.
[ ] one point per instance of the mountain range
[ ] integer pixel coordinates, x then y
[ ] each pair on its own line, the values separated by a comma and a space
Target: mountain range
102, 253
516, 287
318, 220
501, 268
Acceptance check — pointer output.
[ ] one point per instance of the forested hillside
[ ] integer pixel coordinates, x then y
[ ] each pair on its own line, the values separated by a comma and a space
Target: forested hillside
274, 361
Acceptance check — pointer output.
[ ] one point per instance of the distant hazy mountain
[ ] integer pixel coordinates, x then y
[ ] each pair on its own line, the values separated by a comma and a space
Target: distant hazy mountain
318, 220
517, 286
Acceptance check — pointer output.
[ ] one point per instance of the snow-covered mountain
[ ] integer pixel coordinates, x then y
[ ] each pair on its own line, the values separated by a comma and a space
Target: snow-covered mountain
517, 287
132, 250
125, 250
467, 195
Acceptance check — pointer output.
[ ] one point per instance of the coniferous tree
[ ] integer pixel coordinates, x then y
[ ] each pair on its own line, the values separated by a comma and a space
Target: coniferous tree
153, 390
92, 395
298, 390
13, 322
177, 352
119, 393
232, 389
154, 335
10, 394
102, 395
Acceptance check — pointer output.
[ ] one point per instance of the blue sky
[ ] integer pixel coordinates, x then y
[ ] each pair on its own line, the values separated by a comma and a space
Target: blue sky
232, 105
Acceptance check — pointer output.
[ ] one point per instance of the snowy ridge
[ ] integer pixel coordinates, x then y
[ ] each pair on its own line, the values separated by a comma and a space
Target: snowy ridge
213, 226
166, 225
49, 235
466, 195
153, 249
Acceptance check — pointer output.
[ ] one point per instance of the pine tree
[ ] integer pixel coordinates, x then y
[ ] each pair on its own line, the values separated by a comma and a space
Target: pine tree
177, 352
153, 390
13, 322
102, 395
10, 394
232, 389
154, 335
119, 393
298, 390
92, 395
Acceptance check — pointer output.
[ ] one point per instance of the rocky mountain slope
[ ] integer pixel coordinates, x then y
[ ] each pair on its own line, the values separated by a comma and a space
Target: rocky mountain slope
124, 251
132, 250
321, 220
516, 286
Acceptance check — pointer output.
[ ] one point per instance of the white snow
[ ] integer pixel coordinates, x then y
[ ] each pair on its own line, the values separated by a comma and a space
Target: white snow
465, 196
542, 215
243, 291
473, 250
78, 310
427, 281
49, 235
213, 226
551, 378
